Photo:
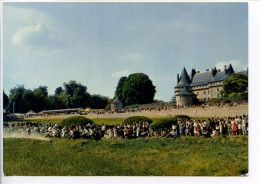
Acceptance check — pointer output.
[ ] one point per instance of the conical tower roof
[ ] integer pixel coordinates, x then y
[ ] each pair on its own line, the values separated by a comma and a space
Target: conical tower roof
230, 69
184, 79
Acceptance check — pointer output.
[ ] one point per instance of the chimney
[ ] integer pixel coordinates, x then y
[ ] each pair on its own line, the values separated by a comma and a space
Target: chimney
178, 79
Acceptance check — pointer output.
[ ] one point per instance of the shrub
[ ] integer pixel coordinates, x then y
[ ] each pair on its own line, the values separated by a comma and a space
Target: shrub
181, 117
137, 119
163, 123
242, 95
233, 95
166, 122
77, 120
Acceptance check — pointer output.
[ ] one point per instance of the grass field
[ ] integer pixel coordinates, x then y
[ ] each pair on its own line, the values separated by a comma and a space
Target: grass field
189, 156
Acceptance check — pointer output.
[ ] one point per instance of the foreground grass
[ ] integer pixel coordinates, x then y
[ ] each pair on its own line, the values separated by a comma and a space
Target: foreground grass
189, 156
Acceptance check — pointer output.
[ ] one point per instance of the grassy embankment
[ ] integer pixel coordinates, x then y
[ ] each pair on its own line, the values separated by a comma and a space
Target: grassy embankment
189, 156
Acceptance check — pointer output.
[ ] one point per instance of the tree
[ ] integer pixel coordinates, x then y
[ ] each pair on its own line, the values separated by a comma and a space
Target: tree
15, 99
40, 95
236, 83
137, 88
58, 90
99, 102
119, 88
5, 100
28, 100
75, 95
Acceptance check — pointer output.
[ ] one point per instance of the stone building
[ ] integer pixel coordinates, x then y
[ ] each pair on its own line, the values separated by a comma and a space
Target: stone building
116, 104
201, 86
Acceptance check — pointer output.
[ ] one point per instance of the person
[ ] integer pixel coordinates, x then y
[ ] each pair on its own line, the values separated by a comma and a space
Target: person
244, 126
234, 127
110, 133
239, 126
115, 132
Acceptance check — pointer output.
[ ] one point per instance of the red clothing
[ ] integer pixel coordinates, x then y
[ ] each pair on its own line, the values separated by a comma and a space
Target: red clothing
234, 127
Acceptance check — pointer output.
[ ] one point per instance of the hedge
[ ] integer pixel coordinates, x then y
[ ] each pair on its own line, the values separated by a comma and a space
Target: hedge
166, 122
163, 123
76, 120
181, 117
137, 119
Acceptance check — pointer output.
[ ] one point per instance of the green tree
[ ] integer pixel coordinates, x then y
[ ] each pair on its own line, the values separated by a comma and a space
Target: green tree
5, 100
137, 88
99, 102
58, 90
28, 101
15, 99
40, 98
119, 88
75, 95
236, 83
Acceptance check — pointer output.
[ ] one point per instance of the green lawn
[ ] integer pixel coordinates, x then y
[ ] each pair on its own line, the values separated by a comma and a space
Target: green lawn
189, 156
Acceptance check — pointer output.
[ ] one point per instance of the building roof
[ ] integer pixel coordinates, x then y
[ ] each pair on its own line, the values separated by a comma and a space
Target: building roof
185, 92
184, 80
203, 78
116, 100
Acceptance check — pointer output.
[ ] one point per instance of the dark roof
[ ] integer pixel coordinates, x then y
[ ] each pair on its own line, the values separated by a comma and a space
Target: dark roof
116, 100
184, 80
185, 92
206, 77
202, 78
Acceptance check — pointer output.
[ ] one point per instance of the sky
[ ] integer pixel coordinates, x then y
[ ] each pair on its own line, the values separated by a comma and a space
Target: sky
95, 44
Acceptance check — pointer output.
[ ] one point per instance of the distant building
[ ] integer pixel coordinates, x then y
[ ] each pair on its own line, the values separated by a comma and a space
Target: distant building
116, 104
201, 86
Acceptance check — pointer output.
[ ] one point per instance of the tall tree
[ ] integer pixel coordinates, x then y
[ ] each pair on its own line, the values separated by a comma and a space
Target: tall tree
137, 88
28, 101
40, 96
75, 95
98, 101
15, 99
119, 88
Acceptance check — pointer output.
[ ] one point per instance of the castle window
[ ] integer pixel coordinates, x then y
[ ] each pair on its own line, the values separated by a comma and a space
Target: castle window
217, 89
204, 92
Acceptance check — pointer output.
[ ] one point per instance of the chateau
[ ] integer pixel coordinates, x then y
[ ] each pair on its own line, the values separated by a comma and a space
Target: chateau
201, 86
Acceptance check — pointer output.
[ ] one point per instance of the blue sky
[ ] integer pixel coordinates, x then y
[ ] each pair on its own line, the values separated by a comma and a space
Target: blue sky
97, 43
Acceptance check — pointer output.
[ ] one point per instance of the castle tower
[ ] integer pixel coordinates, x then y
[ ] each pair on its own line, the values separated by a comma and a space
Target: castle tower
183, 81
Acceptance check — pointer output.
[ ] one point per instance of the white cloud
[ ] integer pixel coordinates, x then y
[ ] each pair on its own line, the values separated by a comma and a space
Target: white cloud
34, 31
118, 74
28, 35
237, 65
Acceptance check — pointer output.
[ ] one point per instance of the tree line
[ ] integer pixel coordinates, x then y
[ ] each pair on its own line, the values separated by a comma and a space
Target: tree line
71, 95
137, 88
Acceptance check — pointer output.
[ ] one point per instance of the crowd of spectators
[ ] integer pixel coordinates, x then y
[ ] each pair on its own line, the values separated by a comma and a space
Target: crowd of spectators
212, 127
